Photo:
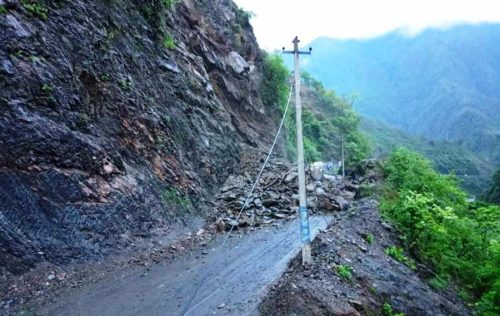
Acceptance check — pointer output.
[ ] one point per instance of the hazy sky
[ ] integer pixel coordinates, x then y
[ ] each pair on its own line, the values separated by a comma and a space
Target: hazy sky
278, 21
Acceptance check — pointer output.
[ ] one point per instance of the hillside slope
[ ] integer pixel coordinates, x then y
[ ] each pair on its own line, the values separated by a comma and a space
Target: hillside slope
447, 157
441, 84
119, 119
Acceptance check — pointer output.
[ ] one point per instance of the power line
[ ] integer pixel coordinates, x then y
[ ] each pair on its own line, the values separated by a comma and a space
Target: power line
209, 270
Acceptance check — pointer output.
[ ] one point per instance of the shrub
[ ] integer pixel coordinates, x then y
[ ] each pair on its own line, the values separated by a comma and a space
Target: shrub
172, 196
458, 239
437, 283
388, 311
169, 42
344, 271
170, 4
369, 238
397, 253
125, 84
322, 124
35, 8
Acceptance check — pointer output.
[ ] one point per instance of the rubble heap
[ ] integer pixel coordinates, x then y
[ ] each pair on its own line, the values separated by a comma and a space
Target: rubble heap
276, 196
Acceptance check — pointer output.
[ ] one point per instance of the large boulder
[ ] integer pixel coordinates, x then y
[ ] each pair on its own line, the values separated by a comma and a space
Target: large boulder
237, 63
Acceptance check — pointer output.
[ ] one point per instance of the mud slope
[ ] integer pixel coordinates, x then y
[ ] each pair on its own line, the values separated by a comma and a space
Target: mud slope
377, 279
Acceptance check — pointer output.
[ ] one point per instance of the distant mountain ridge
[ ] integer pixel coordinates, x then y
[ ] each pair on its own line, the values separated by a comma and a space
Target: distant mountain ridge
442, 84
447, 157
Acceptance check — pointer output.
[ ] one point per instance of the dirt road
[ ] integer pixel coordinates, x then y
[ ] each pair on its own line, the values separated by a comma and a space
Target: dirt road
240, 277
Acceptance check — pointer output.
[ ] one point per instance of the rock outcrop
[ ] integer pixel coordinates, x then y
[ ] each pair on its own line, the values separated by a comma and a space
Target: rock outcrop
118, 117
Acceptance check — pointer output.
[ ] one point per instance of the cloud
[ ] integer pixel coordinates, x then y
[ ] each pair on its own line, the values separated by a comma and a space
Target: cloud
278, 21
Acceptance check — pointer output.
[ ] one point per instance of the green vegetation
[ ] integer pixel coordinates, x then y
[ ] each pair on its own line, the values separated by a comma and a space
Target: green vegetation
472, 170
243, 16
459, 240
172, 196
168, 42
83, 120
344, 271
105, 77
3, 10
35, 8
47, 89
368, 189
125, 84
166, 120
325, 116
436, 99
369, 238
493, 194
438, 283
170, 4
388, 311
397, 253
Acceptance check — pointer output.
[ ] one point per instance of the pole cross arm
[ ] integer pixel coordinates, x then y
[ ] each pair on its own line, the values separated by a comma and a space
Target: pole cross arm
299, 52
296, 48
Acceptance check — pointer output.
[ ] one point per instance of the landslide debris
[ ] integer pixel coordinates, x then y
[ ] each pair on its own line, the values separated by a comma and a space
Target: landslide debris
352, 274
276, 195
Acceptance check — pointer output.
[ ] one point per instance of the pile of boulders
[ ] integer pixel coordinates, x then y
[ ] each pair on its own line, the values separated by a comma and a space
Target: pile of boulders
276, 196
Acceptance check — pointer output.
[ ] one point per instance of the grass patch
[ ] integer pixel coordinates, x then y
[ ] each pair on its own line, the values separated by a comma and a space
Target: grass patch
169, 42
172, 196
105, 77
438, 283
170, 4
3, 10
35, 8
47, 89
125, 84
344, 271
369, 238
397, 253
387, 310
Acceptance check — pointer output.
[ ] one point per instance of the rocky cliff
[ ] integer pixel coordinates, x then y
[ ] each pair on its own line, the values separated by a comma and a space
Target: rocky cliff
118, 118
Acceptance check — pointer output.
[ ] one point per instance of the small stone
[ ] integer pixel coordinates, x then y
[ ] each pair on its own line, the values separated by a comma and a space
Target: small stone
386, 226
278, 215
320, 191
51, 277
341, 202
269, 202
291, 177
310, 187
170, 66
221, 306
363, 249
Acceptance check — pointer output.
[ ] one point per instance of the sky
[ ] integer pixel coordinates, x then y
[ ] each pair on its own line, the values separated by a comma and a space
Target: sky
277, 22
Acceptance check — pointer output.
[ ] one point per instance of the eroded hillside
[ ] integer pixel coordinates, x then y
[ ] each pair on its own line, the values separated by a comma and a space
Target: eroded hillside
118, 118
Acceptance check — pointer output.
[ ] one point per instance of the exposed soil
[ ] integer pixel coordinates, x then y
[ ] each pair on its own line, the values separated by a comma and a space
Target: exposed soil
377, 279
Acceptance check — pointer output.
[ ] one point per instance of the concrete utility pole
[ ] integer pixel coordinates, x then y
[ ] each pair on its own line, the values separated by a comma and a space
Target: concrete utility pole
304, 217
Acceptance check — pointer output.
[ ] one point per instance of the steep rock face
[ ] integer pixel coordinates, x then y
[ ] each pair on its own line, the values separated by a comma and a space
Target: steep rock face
117, 117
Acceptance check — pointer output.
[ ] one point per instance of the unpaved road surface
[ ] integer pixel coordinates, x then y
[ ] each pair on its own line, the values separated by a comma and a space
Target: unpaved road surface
240, 278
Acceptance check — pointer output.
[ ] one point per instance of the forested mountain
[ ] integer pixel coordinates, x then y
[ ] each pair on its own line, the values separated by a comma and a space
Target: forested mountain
473, 171
442, 84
